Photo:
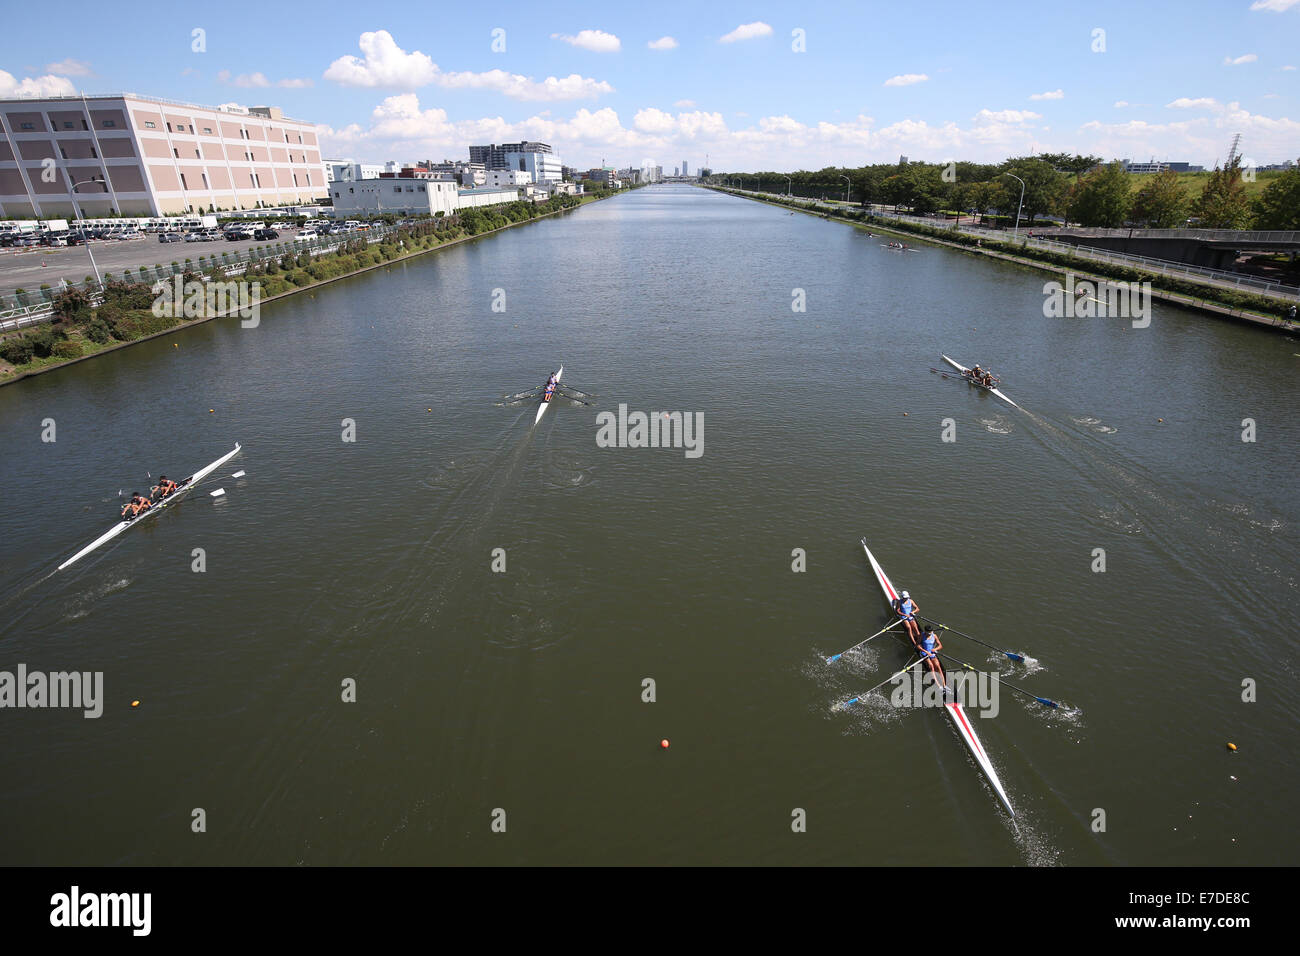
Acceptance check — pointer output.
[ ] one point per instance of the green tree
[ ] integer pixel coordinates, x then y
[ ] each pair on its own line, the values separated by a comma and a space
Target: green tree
1278, 206
1101, 198
1223, 203
1045, 188
1162, 202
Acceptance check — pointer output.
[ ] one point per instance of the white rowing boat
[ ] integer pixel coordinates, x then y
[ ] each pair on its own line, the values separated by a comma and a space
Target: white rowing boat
545, 404
966, 374
182, 488
960, 719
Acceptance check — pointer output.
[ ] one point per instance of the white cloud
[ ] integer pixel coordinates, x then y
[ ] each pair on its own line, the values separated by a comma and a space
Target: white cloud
384, 64
1120, 104
295, 83
69, 67
1053, 95
906, 79
747, 31
597, 41
685, 104
663, 43
40, 86
400, 126
387, 65
1288, 67
1276, 6
571, 87
1011, 117
1244, 58
1200, 103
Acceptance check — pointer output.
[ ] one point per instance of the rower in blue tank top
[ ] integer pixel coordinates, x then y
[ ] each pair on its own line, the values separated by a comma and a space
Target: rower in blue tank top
929, 648
908, 609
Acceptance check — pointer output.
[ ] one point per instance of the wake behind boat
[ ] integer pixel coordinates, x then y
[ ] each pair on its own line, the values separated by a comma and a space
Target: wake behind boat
179, 491
971, 378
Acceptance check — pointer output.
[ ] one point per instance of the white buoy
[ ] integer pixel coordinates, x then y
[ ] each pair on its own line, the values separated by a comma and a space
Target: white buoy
218, 493
238, 474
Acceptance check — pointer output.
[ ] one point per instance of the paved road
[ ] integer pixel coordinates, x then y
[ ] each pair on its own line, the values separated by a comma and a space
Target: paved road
29, 268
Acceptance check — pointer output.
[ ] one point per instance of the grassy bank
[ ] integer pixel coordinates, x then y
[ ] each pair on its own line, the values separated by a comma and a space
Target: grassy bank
1220, 301
126, 316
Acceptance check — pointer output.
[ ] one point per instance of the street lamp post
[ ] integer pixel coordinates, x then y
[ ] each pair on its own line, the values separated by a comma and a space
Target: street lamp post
1016, 229
77, 206
847, 188
789, 185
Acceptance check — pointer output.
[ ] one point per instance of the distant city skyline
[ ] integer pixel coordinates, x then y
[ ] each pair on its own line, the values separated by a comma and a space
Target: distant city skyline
759, 86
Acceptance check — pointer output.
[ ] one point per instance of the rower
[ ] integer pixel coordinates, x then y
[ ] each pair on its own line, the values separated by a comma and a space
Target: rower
977, 374
929, 648
907, 609
136, 506
550, 388
164, 487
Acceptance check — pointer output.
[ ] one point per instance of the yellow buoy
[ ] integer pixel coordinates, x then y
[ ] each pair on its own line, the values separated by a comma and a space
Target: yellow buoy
211, 411
135, 703
1232, 746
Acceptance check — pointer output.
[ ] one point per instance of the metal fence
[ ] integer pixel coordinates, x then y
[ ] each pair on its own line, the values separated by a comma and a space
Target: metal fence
1177, 270
29, 308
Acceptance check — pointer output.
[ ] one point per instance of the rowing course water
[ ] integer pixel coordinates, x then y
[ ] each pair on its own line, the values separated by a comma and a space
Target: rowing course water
522, 691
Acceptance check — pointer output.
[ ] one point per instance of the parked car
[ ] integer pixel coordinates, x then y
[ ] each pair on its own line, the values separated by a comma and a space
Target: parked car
169, 237
234, 235
308, 234
211, 235
194, 237
264, 234
130, 234
54, 239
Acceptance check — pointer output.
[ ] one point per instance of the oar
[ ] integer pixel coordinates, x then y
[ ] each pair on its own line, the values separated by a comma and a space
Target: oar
919, 660
579, 393
527, 394
1042, 700
832, 660
1018, 658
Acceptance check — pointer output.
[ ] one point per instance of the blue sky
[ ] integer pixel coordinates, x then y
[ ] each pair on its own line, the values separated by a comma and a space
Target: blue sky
935, 81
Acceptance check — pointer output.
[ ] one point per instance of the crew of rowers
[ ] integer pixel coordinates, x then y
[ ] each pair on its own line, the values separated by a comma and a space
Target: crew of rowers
139, 504
899, 245
983, 377
925, 641
551, 384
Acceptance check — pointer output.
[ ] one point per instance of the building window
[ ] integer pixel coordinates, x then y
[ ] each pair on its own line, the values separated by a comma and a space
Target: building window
184, 185
309, 179
205, 180
176, 153
111, 124
169, 127
67, 124
336, 195
196, 155
28, 126
148, 124
207, 130
64, 152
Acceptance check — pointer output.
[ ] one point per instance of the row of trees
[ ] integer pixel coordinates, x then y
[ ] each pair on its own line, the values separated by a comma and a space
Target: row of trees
1076, 188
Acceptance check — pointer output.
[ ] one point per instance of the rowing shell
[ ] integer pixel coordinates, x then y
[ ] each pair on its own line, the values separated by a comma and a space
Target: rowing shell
545, 404
966, 372
955, 710
167, 502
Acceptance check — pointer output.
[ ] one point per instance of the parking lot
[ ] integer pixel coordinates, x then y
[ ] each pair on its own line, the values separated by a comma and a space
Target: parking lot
30, 268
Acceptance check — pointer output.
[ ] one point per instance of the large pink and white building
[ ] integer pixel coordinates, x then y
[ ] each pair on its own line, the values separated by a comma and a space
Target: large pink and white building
154, 156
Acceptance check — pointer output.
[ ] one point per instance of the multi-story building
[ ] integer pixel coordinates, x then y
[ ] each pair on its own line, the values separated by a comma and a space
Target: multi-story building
143, 156
602, 177
531, 157
684, 172
346, 171
499, 178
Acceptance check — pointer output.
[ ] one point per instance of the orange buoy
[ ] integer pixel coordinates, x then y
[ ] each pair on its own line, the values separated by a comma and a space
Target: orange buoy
1232, 746
135, 703
664, 743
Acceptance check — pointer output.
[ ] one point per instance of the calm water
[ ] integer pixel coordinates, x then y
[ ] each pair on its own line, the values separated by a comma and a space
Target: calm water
522, 691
